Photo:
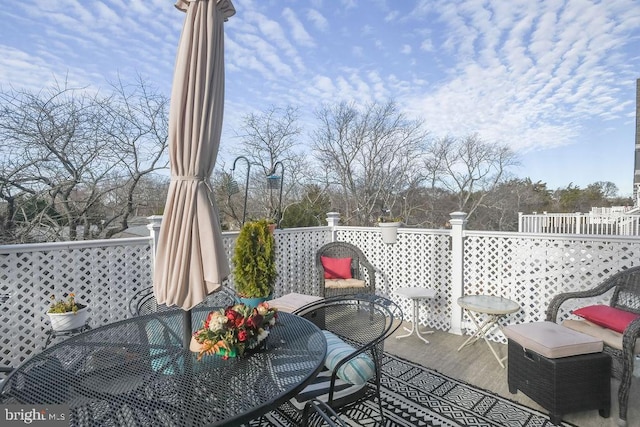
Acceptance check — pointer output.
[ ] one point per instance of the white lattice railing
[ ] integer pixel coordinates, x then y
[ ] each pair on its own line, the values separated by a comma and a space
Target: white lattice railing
528, 268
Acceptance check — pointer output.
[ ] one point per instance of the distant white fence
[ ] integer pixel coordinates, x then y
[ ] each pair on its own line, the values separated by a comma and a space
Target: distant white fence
609, 224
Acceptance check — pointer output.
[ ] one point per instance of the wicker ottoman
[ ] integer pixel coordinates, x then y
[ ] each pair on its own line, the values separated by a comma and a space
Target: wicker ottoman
563, 371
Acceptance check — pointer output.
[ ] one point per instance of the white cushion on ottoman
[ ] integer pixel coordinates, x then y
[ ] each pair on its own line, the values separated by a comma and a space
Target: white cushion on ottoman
552, 340
293, 301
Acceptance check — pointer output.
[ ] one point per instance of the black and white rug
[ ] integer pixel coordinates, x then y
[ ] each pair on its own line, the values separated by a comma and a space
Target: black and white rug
416, 396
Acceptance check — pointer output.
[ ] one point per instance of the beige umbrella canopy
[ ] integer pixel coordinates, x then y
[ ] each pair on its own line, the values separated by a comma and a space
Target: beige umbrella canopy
190, 258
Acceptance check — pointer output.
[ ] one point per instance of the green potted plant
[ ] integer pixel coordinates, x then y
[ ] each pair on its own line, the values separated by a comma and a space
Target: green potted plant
254, 263
68, 314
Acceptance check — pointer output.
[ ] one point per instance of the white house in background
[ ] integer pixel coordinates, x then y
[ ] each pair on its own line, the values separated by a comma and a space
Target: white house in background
612, 221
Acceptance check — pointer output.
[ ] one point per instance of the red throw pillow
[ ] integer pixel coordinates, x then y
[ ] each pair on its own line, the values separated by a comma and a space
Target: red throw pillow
608, 317
336, 268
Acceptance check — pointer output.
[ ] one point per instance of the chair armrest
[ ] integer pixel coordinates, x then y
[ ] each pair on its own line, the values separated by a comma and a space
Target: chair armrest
629, 337
558, 300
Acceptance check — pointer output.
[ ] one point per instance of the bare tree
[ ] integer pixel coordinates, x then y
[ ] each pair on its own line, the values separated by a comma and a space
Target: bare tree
137, 128
370, 155
269, 142
469, 168
65, 155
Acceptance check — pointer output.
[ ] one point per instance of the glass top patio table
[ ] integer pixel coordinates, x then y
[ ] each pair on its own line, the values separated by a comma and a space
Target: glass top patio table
135, 372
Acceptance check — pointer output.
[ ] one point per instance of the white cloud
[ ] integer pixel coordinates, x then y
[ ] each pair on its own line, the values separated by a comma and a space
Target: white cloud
316, 18
406, 49
392, 16
526, 74
427, 45
300, 35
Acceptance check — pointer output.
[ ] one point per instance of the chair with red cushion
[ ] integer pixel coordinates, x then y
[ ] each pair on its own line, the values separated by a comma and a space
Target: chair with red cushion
624, 302
344, 270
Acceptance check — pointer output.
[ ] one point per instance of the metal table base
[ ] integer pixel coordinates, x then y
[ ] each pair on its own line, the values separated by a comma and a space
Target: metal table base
416, 294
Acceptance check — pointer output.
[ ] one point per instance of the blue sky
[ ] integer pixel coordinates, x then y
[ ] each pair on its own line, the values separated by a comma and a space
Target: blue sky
555, 80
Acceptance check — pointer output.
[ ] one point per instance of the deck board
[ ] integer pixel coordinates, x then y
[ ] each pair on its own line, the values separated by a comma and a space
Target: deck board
477, 366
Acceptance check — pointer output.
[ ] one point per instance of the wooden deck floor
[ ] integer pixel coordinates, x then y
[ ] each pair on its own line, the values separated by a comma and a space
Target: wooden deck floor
476, 365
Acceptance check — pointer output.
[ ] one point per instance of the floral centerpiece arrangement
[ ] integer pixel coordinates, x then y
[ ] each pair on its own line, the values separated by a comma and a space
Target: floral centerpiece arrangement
230, 331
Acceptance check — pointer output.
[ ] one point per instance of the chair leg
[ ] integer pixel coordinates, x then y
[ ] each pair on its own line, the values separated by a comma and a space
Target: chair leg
625, 385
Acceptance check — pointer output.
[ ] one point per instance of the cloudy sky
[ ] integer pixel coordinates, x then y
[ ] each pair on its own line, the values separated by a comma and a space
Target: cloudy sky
553, 79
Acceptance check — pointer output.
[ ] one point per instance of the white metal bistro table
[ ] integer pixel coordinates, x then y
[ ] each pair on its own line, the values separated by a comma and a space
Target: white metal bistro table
416, 294
494, 308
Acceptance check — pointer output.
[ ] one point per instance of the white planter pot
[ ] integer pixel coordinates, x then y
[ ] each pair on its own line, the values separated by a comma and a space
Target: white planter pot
389, 231
68, 321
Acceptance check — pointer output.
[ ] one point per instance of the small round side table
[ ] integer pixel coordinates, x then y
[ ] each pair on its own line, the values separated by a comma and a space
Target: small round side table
494, 308
416, 294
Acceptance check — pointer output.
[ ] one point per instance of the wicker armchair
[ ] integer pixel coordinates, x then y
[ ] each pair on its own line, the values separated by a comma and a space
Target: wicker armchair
360, 323
360, 269
143, 302
625, 295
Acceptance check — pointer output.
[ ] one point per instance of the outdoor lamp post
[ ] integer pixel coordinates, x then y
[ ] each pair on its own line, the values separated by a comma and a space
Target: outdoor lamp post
246, 184
274, 182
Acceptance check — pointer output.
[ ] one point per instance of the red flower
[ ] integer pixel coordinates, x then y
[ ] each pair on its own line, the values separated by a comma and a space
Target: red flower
242, 336
208, 320
255, 321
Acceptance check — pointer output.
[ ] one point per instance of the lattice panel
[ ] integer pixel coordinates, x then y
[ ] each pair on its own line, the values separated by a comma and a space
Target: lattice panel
104, 278
418, 258
295, 259
526, 268
296, 251
532, 269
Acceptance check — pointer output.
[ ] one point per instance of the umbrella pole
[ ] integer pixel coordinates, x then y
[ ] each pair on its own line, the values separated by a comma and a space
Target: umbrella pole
186, 338
186, 331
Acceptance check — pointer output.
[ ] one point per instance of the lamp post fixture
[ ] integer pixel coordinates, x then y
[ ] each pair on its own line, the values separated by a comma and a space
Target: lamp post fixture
246, 184
274, 182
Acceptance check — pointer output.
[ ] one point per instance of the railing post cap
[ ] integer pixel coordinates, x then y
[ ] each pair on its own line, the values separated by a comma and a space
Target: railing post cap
333, 219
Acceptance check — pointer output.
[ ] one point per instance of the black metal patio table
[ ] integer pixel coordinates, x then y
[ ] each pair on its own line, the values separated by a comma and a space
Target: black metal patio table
136, 372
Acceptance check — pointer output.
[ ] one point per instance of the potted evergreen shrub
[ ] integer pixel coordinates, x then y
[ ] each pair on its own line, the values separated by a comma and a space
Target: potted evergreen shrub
254, 263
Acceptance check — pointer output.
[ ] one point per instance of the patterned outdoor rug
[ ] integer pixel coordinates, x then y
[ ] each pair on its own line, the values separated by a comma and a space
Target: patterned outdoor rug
416, 396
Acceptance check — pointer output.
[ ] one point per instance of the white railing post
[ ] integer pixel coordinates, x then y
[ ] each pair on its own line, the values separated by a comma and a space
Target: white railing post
333, 220
520, 222
458, 221
154, 231
578, 217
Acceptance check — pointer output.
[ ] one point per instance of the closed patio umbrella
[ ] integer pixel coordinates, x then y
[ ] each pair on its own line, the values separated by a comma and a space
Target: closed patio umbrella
190, 258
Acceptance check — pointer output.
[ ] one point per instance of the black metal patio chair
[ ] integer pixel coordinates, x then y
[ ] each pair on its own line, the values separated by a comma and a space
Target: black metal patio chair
143, 302
318, 414
355, 327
